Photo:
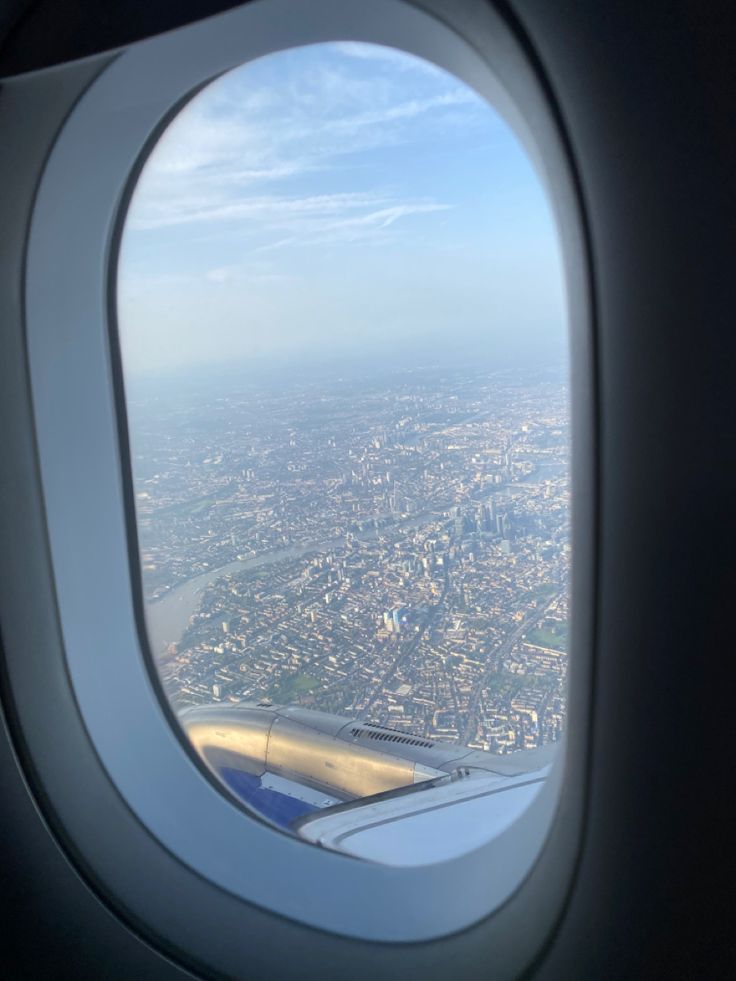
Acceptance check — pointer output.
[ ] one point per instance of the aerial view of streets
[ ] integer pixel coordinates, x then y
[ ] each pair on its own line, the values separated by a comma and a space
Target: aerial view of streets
392, 546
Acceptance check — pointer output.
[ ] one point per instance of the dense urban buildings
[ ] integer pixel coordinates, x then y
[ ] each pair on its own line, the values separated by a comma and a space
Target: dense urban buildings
391, 545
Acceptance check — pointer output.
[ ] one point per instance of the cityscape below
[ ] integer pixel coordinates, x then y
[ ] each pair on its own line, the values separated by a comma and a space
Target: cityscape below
389, 545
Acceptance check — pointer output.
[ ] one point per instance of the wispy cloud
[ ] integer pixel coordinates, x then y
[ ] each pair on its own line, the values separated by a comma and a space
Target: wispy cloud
339, 196
245, 273
392, 57
365, 228
403, 110
269, 211
224, 156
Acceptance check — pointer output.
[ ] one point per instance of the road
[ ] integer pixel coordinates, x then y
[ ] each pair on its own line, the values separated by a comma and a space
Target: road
405, 654
471, 723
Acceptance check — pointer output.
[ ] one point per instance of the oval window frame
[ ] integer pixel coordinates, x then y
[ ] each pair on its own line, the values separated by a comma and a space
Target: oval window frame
72, 367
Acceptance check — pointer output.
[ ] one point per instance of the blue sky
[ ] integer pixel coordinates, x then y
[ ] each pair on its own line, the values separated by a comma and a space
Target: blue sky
338, 200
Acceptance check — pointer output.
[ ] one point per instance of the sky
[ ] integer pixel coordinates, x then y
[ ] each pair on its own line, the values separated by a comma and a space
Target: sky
338, 201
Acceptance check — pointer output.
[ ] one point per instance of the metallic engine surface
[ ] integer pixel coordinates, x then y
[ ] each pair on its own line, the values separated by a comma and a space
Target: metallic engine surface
331, 753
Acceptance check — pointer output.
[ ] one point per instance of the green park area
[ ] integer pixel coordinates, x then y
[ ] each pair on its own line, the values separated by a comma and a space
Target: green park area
185, 508
289, 689
553, 636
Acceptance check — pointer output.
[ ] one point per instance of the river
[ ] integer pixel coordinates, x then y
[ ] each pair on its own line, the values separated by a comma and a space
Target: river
168, 617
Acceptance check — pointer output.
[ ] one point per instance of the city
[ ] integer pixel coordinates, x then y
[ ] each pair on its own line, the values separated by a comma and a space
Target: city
393, 548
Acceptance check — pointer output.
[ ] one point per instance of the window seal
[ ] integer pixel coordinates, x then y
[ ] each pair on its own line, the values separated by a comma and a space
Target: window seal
46, 382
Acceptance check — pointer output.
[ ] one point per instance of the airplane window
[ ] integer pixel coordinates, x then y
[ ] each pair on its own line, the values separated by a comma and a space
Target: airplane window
343, 330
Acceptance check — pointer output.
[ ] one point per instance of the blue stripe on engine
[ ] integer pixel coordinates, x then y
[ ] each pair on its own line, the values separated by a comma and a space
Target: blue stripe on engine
279, 808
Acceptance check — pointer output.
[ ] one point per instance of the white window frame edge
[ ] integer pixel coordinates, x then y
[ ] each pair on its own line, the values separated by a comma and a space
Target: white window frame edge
72, 228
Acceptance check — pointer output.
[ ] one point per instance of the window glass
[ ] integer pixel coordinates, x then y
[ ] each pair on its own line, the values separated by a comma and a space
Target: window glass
343, 329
